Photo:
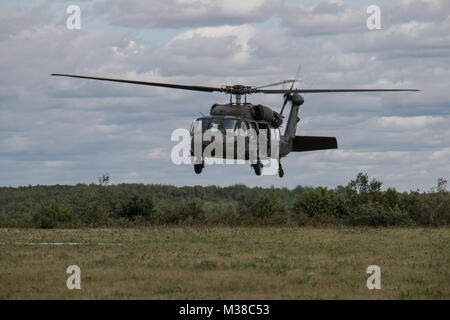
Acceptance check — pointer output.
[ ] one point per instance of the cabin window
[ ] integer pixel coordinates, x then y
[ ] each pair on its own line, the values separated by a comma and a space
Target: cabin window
264, 130
263, 126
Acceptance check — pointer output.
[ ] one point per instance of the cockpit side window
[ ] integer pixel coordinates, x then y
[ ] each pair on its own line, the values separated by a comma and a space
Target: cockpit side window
199, 125
205, 124
242, 128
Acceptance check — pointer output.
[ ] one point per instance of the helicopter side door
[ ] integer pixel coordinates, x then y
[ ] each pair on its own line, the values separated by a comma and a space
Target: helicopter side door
263, 141
275, 137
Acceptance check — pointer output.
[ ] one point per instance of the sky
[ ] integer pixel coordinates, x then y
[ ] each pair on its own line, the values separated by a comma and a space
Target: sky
66, 131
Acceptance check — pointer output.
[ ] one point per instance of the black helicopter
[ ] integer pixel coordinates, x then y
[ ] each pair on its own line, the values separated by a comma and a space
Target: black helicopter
250, 121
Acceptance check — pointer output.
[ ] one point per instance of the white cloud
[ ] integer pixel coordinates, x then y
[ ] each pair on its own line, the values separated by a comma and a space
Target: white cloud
409, 123
240, 36
331, 17
186, 13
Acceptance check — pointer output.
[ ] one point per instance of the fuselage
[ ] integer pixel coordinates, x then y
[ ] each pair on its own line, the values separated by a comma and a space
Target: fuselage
240, 131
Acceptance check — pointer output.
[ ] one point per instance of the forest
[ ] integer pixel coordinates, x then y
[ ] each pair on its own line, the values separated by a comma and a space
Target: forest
361, 202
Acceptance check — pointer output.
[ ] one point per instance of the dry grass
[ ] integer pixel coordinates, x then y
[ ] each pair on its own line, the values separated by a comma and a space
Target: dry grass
226, 263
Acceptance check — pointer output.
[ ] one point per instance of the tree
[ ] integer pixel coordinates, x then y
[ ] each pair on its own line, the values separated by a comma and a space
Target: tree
104, 179
437, 204
361, 184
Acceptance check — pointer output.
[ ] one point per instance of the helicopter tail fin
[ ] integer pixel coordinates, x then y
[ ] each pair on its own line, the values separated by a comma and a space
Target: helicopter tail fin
311, 143
291, 125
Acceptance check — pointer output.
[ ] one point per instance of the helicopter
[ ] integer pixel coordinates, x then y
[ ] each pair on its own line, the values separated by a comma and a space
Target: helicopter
257, 126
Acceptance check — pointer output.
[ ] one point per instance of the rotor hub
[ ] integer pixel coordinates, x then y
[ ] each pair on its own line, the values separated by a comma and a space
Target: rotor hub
239, 89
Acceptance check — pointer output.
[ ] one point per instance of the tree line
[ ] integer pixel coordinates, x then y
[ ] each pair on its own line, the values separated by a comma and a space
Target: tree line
361, 202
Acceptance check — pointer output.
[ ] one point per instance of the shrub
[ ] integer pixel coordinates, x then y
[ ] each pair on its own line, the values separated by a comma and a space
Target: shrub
265, 209
53, 215
136, 206
375, 215
186, 212
319, 201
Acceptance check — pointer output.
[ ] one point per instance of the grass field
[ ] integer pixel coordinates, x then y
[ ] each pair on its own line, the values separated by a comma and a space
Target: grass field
226, 263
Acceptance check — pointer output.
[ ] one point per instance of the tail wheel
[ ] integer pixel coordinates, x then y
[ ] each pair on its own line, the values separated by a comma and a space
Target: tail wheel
280, 171
198, 167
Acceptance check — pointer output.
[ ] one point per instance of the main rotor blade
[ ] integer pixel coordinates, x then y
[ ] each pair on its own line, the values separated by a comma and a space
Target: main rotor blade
277, 83
238, 89
146, 83
275, 91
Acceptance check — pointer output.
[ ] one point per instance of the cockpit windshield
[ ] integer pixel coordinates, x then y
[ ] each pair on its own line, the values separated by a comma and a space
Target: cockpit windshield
214, 124
229, 124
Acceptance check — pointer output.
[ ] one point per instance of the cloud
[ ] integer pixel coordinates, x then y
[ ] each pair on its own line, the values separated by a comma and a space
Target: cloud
323, 18
186, 13
411, 123
60, 130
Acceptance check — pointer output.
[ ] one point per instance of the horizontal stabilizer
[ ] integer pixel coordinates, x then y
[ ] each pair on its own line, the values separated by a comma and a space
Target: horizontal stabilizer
309, 143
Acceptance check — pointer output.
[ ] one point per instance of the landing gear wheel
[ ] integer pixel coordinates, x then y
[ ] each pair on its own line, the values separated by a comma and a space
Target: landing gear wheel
257, 167
280, 171
198, 167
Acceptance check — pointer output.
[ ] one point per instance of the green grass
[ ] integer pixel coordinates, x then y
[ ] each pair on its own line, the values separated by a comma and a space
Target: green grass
226, 263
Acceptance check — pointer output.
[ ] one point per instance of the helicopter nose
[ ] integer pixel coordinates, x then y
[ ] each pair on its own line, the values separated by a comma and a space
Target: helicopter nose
297, 99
